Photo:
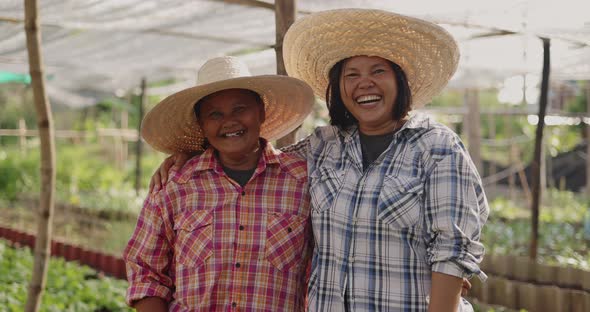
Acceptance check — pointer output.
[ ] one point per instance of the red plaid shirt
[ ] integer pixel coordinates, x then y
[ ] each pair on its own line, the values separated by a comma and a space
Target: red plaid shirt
204, 243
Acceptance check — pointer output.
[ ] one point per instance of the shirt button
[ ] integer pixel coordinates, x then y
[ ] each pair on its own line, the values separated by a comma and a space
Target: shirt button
233, 304
238, 265
243, 193
289, 230
241, 227
355, 220
351, 259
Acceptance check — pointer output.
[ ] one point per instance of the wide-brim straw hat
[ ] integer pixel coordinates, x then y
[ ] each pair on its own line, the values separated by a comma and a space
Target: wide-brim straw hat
172, 127
426, 52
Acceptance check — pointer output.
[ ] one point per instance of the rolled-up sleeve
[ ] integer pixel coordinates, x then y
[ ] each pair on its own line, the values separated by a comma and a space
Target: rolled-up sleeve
455, 211
148, 255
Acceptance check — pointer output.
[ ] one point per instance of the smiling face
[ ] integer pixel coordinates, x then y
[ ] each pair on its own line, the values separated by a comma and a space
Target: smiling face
368, 89
230, 120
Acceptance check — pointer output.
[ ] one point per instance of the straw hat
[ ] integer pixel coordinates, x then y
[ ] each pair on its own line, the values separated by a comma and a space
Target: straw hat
172, 127
426, 52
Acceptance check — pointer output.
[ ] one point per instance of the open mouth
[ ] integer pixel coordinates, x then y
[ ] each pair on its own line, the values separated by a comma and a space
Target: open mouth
368, 99
233, 134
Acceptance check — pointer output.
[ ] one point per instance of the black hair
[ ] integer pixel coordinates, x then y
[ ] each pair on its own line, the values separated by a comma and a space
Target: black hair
341, 117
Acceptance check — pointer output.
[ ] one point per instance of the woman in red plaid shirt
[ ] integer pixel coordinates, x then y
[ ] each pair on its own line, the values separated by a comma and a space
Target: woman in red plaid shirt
231, 229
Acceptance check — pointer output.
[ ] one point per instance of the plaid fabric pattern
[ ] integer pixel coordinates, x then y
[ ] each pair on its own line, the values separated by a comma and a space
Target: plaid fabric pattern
203, 243
418, 208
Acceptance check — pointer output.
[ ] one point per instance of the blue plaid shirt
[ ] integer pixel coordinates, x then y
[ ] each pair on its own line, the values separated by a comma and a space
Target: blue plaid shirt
380, 233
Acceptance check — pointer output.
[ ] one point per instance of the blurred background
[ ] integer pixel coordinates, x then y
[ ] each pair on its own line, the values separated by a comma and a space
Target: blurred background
108, 62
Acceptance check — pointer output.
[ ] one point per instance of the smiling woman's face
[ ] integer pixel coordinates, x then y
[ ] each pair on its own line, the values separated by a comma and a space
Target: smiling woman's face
368, 88
230, 120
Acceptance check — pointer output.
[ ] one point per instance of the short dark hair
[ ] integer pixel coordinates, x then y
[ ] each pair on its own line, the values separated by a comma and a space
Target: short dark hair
341, 117
197, 106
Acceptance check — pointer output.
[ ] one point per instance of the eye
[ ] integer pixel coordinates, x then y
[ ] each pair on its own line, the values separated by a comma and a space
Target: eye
214, 115
351, 75
379, 71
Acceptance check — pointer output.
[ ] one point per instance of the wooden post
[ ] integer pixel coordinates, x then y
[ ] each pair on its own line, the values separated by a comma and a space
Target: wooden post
588, 138
523, 180
285, 14
138, 146
47, 138
474, 127
536, 164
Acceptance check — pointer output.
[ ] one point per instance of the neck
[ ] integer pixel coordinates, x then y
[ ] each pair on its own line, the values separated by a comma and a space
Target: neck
382, 129
241, 161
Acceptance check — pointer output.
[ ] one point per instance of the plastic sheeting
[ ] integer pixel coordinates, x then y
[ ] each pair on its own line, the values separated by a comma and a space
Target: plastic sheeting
109, 45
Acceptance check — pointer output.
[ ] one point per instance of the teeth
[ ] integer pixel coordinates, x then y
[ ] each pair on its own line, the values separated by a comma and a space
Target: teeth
368, 98
234, 134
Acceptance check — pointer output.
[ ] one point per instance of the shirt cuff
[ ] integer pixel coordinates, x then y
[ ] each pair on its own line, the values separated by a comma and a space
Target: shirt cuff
452, 268
136, 292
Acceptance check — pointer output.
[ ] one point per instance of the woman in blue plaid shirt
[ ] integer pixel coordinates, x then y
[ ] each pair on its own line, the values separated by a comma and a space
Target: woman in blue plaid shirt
397, 204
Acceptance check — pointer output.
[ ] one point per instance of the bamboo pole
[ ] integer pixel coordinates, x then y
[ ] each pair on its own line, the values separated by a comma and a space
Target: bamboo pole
535, 166
285, 14
138, 146
46, 136
588, 139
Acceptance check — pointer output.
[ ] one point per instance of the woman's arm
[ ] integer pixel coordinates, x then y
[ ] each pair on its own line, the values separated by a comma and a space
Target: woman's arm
148, 255
455, 211
151, 304
160, 177
300, 148
445, 293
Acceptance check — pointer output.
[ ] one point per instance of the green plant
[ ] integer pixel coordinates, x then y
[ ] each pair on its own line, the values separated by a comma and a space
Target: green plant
70, 287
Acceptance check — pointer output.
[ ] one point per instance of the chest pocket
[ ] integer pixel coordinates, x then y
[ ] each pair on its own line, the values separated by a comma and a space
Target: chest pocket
400, 202
194, 238
285, 239
324, 185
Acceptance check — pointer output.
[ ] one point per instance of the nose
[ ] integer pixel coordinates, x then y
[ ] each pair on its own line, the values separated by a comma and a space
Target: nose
366, 82
228, 122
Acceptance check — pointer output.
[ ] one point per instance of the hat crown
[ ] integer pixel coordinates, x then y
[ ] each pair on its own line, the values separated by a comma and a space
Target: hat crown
222, 68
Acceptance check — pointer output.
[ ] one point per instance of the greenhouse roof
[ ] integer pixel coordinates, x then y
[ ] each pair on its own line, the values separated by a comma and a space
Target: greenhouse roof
109, 45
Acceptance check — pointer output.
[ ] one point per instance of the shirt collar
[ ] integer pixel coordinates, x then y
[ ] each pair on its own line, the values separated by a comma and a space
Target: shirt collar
208, 161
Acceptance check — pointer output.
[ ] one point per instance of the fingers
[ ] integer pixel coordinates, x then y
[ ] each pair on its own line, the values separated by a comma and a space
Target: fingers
165, 167
155, 181
466, 284
160, 177
465, 287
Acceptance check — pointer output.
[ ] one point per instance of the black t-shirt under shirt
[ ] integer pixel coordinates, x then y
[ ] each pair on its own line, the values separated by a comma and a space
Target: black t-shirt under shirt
240, 176
373, 146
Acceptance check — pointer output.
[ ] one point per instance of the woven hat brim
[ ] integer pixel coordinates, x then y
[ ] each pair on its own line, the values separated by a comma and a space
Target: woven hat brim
172, 127
426, 52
